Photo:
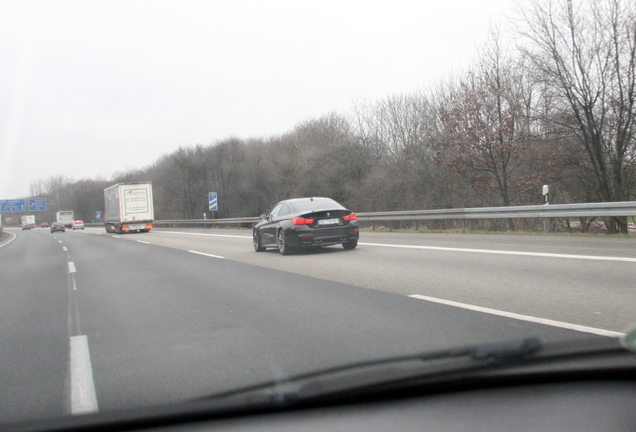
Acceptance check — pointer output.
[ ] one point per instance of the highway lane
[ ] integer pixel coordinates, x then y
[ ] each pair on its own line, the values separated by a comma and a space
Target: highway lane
162, 324
33, 327
590, 292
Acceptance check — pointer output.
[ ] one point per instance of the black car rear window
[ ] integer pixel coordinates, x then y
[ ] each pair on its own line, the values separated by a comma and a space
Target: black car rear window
316, 204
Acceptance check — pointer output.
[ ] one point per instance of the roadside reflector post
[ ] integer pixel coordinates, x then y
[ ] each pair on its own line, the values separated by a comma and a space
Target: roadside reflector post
546, 201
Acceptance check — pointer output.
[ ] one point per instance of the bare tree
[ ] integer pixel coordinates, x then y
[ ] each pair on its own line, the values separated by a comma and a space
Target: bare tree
395, 127
398, 135
222, 161
585, 51
38, 188
55, 191
86, 197
485, 126
180, 183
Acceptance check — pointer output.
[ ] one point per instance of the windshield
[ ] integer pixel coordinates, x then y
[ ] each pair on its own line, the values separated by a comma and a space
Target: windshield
470, 141
315, 204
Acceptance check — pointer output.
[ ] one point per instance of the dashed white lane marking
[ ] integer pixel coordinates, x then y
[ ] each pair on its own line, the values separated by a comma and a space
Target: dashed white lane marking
115, 236
205, 254
502, 252
64, 248
144, 242
205, 235
71, 267
83, 395
59, 241
520, 317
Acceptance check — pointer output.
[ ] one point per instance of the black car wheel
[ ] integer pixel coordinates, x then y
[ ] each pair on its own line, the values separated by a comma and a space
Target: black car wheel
283, 246
350, 244
256, 241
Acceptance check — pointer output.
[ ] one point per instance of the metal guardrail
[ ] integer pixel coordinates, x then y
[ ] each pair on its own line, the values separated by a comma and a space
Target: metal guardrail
602, 209
627, 208
207, 222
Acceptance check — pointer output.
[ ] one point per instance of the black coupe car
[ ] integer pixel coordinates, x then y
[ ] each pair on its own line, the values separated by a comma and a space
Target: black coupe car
306, 222
58, 226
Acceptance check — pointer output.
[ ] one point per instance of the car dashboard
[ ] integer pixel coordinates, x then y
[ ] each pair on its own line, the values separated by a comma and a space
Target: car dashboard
587, 406
602, 399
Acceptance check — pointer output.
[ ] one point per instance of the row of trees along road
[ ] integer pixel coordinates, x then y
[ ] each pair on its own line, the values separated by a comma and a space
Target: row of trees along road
557, 108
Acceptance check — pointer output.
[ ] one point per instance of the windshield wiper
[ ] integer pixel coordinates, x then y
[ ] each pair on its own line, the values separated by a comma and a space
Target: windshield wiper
362, 374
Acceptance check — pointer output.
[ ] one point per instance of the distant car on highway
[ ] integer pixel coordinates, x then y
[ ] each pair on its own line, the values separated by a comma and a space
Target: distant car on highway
58, 226
44, 225
78, 224
304, 223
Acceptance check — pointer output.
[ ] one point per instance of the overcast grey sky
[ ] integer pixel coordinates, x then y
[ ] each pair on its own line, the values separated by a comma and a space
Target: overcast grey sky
91, 88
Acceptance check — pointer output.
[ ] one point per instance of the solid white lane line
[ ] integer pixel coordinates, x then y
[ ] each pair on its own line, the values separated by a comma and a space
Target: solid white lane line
202, 234
8, 241
144, 242
205, 254
450, 249
71, 267
520, 317
502, 252
83, 396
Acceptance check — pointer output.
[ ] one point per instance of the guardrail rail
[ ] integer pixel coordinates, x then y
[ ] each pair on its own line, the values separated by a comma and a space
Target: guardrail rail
601, 209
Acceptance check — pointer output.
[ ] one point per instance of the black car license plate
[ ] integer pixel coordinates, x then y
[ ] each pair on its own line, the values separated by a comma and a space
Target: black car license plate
334, 221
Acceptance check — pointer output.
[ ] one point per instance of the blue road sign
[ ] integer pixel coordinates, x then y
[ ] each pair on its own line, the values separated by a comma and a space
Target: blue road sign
98, 215
12, 205
37, 204
212, 201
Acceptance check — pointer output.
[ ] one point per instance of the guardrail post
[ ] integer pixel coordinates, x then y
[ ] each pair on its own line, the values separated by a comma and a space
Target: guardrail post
373, 225
546, 225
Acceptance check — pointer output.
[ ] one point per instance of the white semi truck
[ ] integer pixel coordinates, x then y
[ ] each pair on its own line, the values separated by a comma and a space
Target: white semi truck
66, 217
129, 207
28, 222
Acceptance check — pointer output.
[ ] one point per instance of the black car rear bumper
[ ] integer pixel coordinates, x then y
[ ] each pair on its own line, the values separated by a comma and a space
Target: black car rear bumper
304, 236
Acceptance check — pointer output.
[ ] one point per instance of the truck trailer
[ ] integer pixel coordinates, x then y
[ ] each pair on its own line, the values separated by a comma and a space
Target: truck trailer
129, 207
66, 217
28, 222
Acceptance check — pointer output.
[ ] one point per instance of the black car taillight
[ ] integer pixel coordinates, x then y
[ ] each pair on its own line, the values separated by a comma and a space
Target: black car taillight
302, 221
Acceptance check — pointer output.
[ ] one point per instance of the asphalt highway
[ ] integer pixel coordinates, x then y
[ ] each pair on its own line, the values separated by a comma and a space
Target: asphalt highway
96, 322
588, 281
